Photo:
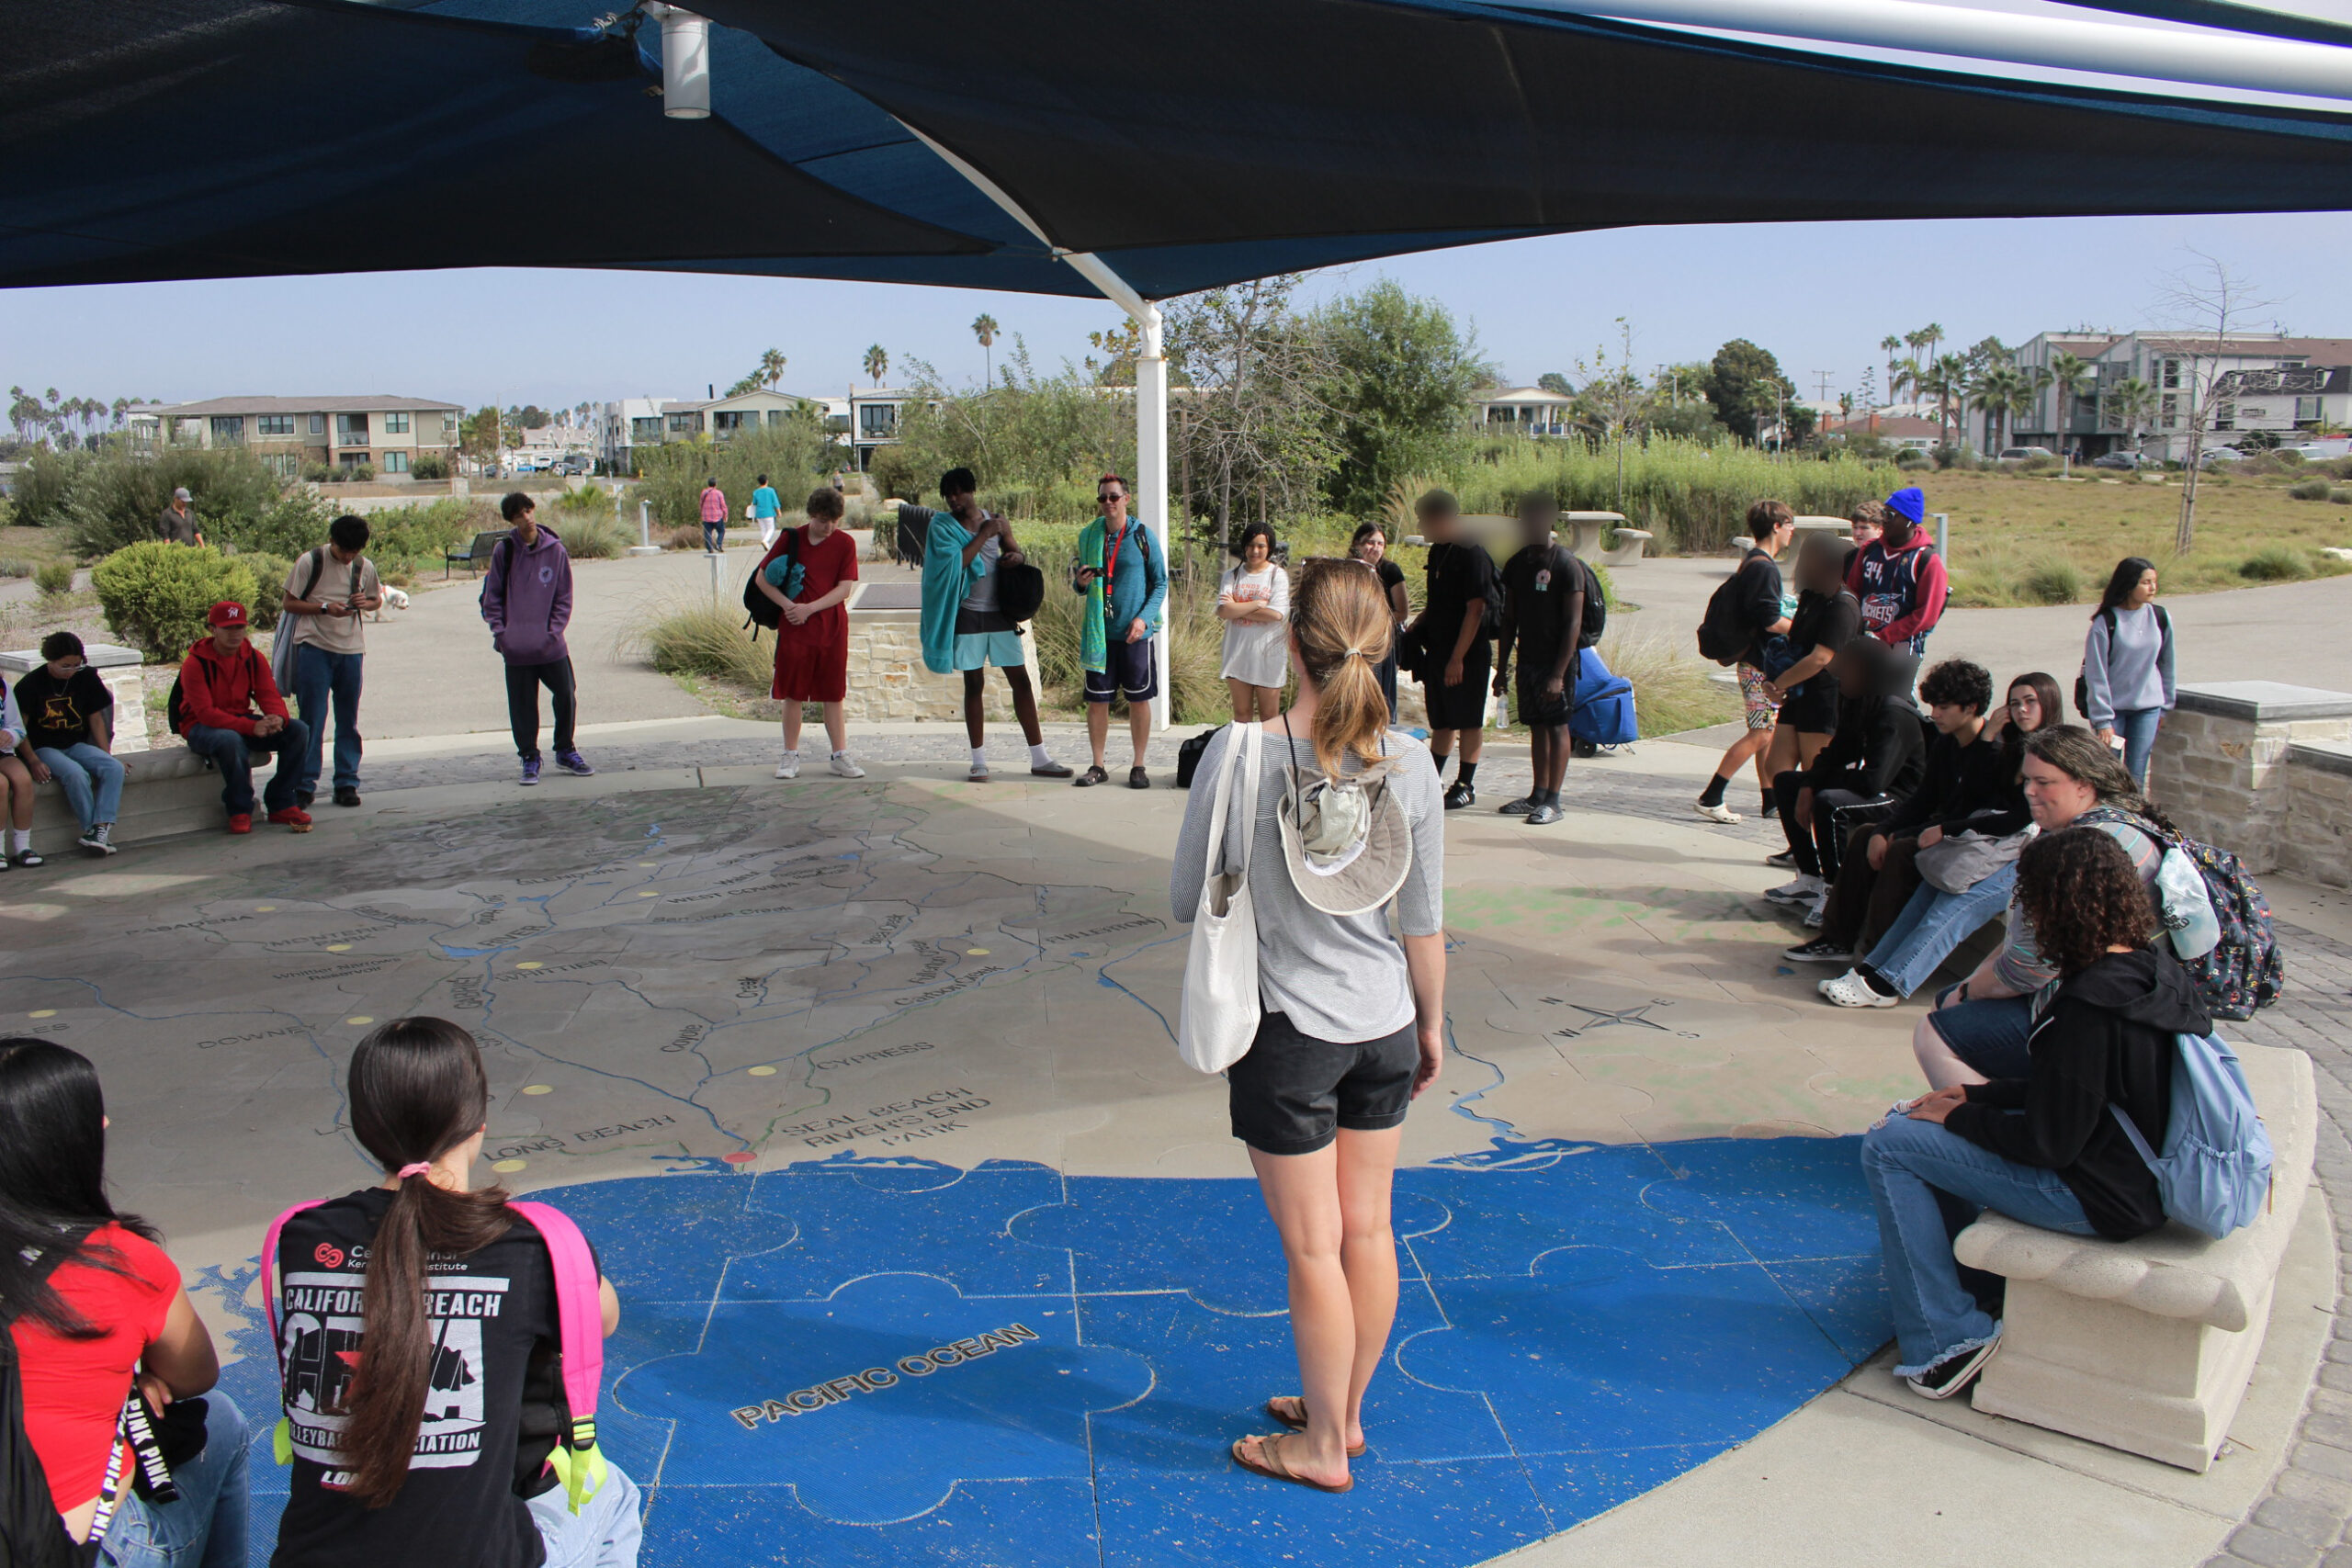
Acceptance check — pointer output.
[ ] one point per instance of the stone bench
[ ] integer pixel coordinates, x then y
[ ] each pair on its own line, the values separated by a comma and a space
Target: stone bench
2147, 1346
1628, 551
165, 792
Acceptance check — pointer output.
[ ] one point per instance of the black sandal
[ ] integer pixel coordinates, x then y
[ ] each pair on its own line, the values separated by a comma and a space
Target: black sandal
1138, 778
1093, 776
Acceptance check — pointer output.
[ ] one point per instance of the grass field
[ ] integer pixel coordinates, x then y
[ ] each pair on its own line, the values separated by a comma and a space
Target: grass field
2019, 539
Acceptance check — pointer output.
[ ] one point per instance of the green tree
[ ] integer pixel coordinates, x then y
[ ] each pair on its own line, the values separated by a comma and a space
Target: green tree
984, 328
1744, 381
1037, 442
877, 363
2131, 403
1552, 381
1402, 374
2067, 374
1257, 430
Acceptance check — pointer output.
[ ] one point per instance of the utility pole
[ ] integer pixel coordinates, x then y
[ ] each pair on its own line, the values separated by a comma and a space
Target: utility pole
1821, 383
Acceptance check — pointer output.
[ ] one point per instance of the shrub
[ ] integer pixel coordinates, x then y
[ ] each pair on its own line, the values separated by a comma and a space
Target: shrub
597, 537
1911, 460
709, 640
53, 577
2309, 490
428, 465
156, 594
2053, 580
270, 572
2277, 564
587, 497
792, 455
42, 485
15, 569
2341, 495
688, 536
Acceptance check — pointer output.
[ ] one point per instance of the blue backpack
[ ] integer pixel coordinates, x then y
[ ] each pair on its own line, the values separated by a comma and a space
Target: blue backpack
1603, 713
2215, 1170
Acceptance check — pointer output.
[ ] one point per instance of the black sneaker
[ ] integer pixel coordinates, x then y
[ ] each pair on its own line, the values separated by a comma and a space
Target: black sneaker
1820, 950
345, 795
1459, 795
302, 797
1786, 859
1953, 1374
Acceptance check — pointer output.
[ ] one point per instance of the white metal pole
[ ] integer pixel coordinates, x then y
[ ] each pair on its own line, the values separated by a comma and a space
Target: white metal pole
1151, 483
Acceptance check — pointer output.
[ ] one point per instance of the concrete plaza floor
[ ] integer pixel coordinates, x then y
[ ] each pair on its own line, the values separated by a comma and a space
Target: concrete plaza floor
686, 973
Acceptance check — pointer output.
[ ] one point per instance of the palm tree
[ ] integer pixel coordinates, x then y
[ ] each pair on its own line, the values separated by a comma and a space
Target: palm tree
1932, 334
2025, 391
2067, 373
877, 363
985, 329
1892, 347
771, 371
1992, 394
2132, 402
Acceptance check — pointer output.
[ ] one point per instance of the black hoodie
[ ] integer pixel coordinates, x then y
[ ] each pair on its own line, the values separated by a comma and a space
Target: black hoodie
2106, 1037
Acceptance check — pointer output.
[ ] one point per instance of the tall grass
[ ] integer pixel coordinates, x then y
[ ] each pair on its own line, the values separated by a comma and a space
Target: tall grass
1673, 691
596, 536
697, 638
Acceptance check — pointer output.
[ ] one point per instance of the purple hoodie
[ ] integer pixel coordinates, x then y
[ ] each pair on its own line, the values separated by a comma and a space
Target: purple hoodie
527, 599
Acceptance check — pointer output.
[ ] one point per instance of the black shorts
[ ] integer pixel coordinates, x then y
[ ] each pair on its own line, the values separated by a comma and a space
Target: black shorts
1132, 671
1463, 706
1291, 1094
1811, 708
1531, 704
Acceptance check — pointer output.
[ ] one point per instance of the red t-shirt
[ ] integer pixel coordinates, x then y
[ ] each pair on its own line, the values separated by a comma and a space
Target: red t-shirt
74, 1388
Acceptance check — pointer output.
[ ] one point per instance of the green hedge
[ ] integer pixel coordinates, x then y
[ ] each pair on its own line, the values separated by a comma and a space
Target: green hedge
155, 596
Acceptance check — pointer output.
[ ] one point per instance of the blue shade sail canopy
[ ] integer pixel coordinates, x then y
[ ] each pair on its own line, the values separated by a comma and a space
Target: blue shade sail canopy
1220, 140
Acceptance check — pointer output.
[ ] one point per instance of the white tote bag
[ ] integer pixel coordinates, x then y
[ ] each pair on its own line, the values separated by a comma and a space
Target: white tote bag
1220, 1013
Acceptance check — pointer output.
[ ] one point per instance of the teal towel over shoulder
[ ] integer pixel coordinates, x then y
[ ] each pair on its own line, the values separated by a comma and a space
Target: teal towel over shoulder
946, 578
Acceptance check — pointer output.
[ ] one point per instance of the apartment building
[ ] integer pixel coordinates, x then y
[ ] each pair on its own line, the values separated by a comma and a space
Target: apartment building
2257, 381
383, 432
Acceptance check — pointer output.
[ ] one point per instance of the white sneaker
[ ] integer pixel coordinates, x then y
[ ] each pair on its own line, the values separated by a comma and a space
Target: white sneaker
844, 768
1816, 913
1723, 813
1851, 990
99, 840
790, 767
1804, 890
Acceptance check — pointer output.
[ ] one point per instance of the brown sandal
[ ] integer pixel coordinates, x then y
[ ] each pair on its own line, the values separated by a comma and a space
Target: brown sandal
1290, 1409
1270, 1464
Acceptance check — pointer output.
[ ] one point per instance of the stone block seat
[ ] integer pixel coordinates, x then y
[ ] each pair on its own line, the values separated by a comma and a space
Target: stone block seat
2147, 1346
171, 790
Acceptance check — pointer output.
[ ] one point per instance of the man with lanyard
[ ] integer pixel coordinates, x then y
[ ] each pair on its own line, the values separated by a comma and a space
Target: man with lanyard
1544, 612
1900, 583
1125, 584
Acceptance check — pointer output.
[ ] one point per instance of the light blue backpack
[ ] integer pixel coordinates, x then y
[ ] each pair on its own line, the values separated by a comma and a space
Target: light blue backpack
2215, 1170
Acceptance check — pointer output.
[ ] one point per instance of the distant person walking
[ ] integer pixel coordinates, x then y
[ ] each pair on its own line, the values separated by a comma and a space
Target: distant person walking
179, 525
714, 516
812, 643
1125, 580
231, 710
69, 734
1253, 600
765, 509
328, 594
1900, 581
1457, 653
1765, 611
1371, 547
984, 634
1346, 827
526, 602
2127, 683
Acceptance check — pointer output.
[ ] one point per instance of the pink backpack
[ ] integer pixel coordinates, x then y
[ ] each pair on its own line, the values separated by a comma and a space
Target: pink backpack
580, 1313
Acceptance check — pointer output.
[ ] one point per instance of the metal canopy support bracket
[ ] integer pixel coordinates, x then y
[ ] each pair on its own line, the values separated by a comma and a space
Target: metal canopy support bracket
1148, 486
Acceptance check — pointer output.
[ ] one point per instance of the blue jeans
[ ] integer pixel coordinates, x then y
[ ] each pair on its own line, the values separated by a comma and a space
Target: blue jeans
1932, 924
603, 1534
206, 1527
2137, 727
1930, 1184
318, 677
714, 536
91, 779
234, 754
1994, 1035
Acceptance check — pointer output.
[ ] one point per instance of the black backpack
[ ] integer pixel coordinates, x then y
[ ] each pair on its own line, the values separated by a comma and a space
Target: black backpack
1724, 635
2081, 681
31, 1533
1596, 604
762, 610
1020, 591
1189, 754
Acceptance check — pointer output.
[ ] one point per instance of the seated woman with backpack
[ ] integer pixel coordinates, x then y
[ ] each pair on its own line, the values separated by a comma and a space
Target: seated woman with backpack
2044, 1143
97, 1318
386, 1474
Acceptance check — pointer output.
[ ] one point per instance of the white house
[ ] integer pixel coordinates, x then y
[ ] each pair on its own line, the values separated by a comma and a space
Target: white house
1526, 410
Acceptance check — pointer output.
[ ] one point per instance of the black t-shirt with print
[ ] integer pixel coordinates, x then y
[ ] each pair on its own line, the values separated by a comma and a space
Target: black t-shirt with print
1539, 582
57, 713
1459, 575
492, 1414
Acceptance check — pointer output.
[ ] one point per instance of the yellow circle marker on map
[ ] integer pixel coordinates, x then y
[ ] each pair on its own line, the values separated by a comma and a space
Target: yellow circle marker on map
339, 947
976, 952
363, 1018
506, 1167
265, 909
45, 1012
646, 892
538, 1089
530, 964
647, 864
762, 1072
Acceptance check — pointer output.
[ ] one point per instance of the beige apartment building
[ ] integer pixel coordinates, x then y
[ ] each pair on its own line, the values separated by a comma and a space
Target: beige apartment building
386, 433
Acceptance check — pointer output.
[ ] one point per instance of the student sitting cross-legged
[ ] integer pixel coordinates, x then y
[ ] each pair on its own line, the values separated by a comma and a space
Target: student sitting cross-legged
2041, 1146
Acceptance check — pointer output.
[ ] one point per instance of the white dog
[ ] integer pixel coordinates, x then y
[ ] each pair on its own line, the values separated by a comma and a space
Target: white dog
394, 599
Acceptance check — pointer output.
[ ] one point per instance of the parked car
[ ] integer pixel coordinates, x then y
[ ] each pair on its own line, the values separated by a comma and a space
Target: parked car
2022, 453
2213, 454
2125, 460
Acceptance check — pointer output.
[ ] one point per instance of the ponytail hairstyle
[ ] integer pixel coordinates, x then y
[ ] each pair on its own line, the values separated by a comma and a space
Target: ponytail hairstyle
417, 1090
1339, 622
52, 1179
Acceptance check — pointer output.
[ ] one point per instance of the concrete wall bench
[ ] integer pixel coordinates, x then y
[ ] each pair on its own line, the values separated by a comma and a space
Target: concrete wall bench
167, 790
2147, 1346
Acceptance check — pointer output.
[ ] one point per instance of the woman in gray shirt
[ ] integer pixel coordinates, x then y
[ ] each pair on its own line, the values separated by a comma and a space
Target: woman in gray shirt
1348, 825
2127, 665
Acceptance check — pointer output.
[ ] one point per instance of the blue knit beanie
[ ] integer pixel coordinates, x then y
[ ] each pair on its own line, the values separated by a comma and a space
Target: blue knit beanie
1910, 502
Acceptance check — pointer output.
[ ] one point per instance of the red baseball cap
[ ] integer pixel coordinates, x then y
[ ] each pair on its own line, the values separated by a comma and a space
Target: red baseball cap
228, 613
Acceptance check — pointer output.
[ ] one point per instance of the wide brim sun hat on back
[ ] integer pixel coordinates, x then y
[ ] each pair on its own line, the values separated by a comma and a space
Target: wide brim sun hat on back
1345, 841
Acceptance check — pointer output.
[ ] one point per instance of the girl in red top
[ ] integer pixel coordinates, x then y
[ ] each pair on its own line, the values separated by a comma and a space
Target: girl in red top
812, 645
85, 1321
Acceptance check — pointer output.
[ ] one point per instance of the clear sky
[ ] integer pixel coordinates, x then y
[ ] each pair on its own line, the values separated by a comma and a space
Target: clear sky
1819, 295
